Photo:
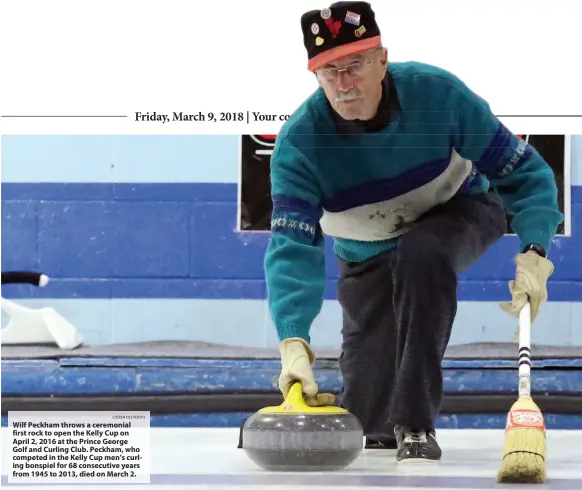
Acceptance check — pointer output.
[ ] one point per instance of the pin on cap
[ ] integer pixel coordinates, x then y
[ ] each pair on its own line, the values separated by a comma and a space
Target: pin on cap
315, 28
352, 18
325, 13
360, 31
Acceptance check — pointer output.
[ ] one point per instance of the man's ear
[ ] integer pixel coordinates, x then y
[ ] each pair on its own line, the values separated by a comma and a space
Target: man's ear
385, 56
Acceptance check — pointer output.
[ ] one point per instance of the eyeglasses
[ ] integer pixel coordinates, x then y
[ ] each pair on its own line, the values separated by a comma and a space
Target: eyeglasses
355, 69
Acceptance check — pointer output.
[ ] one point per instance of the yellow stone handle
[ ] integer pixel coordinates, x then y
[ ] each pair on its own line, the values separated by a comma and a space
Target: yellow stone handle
295, 397
294, 403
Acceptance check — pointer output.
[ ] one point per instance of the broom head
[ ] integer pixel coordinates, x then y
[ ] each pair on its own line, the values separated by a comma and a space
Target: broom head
524, 458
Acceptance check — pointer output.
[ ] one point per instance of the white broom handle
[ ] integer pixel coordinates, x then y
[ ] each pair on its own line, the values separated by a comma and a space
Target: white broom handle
525, 351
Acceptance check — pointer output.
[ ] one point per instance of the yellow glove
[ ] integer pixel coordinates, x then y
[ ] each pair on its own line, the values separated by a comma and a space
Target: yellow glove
530, 283
296, 361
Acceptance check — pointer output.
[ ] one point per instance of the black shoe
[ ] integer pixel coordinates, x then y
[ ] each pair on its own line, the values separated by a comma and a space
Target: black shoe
415, 444
381, 443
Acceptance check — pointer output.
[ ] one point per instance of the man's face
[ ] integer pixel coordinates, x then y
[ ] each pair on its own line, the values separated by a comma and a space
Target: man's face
353, 84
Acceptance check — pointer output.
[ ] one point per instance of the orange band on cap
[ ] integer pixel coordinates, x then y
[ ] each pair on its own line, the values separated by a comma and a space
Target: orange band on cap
341, 51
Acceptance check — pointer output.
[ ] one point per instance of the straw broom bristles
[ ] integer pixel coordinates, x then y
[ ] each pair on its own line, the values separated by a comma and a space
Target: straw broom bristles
524, 458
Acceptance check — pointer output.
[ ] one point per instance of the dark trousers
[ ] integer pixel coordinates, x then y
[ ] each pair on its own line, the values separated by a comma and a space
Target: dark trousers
398, 312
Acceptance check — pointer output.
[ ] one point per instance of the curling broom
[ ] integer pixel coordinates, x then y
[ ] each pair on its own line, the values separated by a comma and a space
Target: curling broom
524, 459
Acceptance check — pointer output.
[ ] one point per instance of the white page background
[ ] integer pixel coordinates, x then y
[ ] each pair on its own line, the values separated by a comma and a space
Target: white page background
112, 57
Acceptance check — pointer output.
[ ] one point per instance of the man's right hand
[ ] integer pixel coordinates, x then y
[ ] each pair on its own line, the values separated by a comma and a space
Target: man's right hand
296, 361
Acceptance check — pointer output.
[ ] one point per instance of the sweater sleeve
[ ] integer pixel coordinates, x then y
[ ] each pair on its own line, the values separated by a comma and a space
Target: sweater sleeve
295, 257
523, 179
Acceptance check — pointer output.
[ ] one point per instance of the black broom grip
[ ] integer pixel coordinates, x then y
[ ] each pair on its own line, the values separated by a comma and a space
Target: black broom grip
24, 277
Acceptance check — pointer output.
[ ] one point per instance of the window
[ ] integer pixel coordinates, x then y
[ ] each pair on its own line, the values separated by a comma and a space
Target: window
255, 189
555, 149
255, 204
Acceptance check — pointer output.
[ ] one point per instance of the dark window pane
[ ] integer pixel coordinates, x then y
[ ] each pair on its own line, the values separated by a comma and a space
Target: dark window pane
255, 195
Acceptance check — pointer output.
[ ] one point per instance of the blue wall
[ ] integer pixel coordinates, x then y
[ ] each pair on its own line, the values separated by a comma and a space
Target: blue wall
138, 234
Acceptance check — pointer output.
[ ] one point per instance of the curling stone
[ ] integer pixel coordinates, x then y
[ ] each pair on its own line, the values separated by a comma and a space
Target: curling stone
296, 437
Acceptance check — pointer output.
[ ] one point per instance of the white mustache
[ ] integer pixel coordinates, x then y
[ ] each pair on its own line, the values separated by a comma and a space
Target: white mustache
347, 97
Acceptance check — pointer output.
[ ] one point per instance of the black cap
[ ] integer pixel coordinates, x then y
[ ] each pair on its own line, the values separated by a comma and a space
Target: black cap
342, 29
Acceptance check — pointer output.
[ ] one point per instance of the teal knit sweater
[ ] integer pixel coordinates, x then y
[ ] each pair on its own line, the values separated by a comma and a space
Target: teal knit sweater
365, 190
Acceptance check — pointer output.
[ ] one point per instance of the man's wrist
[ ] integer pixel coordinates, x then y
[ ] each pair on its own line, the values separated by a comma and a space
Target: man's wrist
534, 248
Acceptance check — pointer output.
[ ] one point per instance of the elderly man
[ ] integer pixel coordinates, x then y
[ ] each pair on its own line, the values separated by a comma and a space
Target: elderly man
410, 173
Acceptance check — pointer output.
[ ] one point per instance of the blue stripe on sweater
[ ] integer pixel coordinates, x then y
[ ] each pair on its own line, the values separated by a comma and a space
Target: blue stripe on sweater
385, 189
289, 204
514, 161
494, 152
495, 162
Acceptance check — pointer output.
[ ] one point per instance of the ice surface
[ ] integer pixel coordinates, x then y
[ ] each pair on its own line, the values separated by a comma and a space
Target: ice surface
209, 459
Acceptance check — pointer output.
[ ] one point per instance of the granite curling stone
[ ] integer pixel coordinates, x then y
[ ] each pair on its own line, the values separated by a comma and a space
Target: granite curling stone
296, 437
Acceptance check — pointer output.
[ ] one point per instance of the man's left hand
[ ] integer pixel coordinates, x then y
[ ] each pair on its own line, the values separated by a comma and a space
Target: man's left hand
530, 283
